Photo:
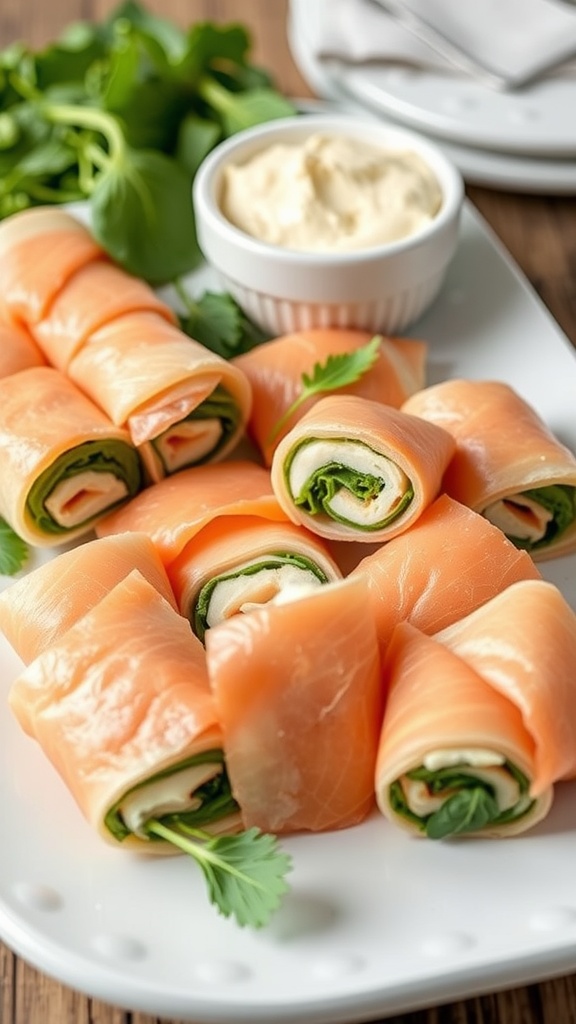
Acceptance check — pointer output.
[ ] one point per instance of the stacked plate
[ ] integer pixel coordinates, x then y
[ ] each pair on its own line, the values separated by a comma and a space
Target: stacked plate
521, 139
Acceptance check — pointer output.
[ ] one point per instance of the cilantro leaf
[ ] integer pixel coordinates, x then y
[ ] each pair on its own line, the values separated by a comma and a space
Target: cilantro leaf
245, 873
218, 323
14, 551
337, 372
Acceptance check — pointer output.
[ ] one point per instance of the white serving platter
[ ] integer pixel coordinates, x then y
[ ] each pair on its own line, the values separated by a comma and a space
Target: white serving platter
376, 922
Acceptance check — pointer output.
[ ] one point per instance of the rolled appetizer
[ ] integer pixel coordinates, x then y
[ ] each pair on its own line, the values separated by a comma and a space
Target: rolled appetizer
96, 294
37, 609
523, 643
63, 465
455, 757
172, 511
182, 404
508, 465
298, 693
122, 707
40, 249
18, 350
447, 564
354, 469
236, 564
275, 370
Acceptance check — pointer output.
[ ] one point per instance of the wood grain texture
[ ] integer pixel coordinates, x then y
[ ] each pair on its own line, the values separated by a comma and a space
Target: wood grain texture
540, 233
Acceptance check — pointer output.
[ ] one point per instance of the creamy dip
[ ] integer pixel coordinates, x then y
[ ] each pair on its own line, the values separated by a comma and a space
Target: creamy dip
330, 193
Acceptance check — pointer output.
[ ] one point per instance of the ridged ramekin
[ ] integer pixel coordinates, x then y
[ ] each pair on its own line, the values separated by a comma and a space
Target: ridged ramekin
382, 288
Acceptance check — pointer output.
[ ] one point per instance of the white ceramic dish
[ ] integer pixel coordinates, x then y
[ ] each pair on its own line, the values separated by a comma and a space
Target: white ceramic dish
379, 288
534, 120
509, 171
376, 923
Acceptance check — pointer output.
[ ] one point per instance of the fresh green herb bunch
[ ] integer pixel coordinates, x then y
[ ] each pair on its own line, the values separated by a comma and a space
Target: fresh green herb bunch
121, 113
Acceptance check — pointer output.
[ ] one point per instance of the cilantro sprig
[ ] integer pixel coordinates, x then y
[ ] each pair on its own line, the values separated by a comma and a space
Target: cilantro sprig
14, 552
217, 322
337, 372
245, 873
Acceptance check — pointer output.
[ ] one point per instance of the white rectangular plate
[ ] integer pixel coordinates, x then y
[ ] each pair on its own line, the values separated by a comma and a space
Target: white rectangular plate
376, 922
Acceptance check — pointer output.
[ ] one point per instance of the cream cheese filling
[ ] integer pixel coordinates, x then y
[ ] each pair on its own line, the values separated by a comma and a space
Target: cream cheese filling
356, 456
520, 517
170, 794
78, 498
487, 766
244, 593
188, 442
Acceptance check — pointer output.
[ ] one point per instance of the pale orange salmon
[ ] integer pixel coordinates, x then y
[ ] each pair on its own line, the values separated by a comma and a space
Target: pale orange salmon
447, 564
18, 350
95, 295
38, 608
120, 697
504, 453
441, 714
354, 469
40, 250
275, 371
174, 510
299, 696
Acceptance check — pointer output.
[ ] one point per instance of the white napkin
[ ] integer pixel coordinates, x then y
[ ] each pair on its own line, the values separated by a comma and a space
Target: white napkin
505, 42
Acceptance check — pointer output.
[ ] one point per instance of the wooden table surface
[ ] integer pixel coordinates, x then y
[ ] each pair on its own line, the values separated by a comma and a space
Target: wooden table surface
540, 232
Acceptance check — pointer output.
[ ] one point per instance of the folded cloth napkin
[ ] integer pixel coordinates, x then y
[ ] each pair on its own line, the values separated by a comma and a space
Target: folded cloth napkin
505, 42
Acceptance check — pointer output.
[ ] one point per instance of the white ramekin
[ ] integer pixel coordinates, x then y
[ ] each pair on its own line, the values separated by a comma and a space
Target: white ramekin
383, 288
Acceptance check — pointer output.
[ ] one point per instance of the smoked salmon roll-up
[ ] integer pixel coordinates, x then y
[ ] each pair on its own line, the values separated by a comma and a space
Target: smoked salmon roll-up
96, 294
63, 465
448, 563
40, 250
37, 609
353, 469
508, 465
121, 705
455, 756
276, 368
236, 564
182, 404
18, 350
298, 692
173, 511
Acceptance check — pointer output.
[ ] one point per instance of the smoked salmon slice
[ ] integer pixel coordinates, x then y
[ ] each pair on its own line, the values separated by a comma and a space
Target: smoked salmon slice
299, 696
37, 609
508, 465
523, 643
275, 371
447, 564
183, 404
62, 463
40, 249
18, 350
354, 469
95, 295
455, 756
174, 510
121, 705
238, 563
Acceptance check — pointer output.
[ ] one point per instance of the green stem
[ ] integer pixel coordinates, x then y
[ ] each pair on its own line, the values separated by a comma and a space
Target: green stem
214, 94
88, 117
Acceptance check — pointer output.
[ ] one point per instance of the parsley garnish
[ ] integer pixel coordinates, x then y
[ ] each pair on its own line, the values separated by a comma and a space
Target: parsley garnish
245, 873
14, 551
337, 372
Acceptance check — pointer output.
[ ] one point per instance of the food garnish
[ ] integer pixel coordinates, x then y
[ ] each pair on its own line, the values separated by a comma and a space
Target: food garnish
336, 372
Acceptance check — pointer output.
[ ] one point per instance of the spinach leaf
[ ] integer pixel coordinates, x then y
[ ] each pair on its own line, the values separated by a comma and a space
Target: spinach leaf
218, 323
469, 810
142, 214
